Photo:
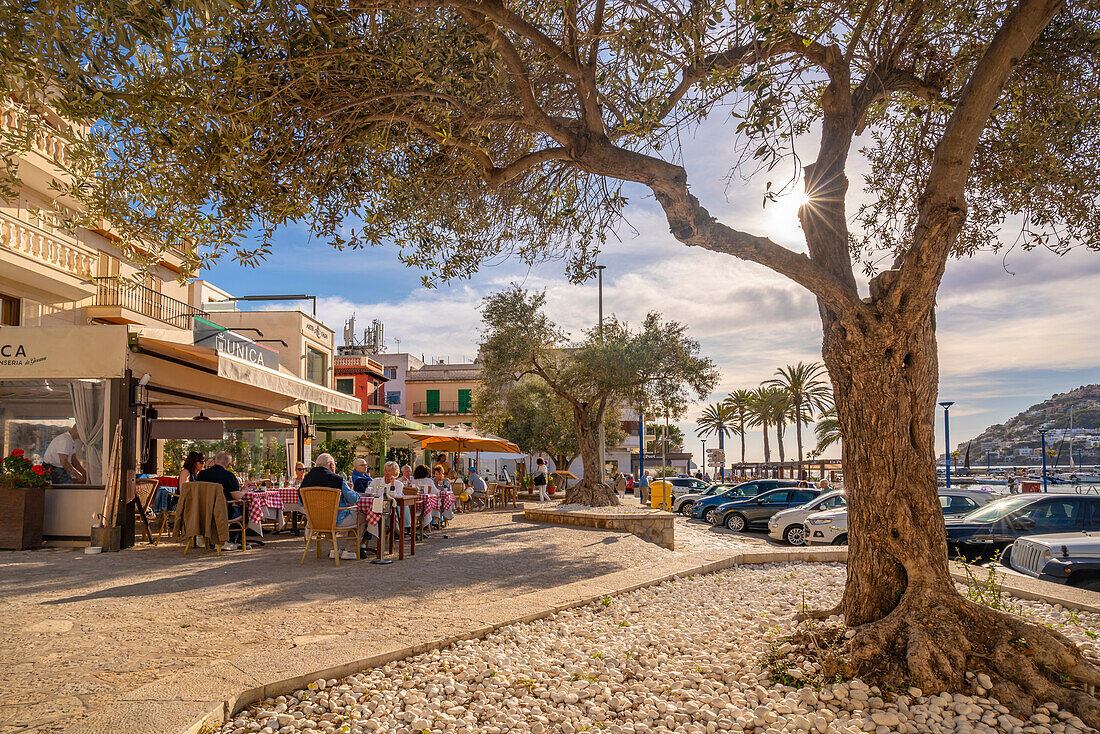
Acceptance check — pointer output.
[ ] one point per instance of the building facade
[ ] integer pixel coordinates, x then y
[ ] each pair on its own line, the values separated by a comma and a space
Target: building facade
395, 368
362, 377
442, 394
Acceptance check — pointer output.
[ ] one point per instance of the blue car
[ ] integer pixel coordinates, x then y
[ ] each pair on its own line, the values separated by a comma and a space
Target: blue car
704, 507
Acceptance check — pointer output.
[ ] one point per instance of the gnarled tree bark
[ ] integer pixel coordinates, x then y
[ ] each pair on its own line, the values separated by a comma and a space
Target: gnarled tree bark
590, 490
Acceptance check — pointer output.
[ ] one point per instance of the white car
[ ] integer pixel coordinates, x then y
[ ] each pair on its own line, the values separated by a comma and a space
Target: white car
827, 528
789, 526
1072, 559
831, 527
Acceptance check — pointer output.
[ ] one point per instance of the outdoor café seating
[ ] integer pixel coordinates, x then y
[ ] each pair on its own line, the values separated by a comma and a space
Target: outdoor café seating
204, 513
321, 507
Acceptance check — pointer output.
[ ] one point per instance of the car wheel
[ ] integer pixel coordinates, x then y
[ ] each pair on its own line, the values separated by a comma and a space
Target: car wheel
1006, 557
795, 535
711, 515
735, 522
841, 539
686, 509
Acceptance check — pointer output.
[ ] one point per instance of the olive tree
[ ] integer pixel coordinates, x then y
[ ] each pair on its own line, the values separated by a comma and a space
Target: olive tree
460, 130
594, 375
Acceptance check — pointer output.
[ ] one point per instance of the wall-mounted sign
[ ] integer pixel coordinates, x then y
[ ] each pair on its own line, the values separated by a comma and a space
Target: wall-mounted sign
316, 331
211, 335
62, 351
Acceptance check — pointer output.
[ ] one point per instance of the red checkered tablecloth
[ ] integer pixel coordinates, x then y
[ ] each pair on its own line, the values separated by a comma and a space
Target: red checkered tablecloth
364, 505
255, 503
448, 499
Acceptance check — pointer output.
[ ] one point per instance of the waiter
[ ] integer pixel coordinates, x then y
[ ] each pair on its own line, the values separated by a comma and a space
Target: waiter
61, 459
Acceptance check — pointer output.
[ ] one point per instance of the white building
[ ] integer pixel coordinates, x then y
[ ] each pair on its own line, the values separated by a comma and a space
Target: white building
396, 367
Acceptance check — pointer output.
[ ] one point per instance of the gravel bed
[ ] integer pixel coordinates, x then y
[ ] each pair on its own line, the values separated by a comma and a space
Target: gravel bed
680, 657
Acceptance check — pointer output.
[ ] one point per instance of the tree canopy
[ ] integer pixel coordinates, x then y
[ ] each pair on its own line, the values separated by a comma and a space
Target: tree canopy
592, 375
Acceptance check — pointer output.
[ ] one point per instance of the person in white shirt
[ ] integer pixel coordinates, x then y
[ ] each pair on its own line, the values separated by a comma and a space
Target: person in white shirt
62, 461
542, 479
390, 486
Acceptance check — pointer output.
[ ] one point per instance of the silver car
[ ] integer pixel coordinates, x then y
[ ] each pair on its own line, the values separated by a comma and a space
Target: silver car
830, 527
788, 525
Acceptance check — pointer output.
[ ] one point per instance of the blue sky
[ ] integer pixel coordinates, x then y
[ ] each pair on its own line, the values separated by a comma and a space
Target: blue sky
1014, 327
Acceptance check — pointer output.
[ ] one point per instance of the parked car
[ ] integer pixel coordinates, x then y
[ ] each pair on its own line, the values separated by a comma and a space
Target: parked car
831, 528
994, 527
1072, 559
745, 513
685, 502
788, 525
704, 507
686, 485
629, 483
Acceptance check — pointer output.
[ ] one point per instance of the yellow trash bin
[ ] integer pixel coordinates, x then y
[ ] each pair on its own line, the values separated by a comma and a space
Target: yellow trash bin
660, 494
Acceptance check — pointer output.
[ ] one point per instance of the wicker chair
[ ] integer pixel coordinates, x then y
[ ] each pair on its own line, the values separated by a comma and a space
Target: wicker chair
322, 504
144, 489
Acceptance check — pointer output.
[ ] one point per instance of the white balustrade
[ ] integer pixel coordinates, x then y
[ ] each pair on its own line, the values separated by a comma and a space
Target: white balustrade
69, 257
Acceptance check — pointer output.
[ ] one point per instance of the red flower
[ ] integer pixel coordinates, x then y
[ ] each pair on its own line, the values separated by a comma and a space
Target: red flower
17, 452
39, 470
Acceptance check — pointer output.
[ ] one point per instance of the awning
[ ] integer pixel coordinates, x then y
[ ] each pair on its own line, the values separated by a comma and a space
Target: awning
254, 375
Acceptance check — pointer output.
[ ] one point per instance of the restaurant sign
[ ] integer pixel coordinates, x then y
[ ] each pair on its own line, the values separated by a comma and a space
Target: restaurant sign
211, 335
62, 351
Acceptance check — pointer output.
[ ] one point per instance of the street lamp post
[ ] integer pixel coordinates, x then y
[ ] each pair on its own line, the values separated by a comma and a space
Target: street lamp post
947, 437
704, 457
603, 448
1043, 443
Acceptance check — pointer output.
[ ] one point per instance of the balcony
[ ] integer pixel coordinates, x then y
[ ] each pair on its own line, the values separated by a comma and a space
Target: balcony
120, 302
49, 262
47, 144
442, 408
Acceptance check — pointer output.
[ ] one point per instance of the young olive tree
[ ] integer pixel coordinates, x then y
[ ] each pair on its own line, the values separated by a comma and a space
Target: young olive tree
593, 376
460, 130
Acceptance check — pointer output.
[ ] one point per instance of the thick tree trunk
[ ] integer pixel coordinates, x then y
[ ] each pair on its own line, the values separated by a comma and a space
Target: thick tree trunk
767, 446
912, 626
589, 490
779, 441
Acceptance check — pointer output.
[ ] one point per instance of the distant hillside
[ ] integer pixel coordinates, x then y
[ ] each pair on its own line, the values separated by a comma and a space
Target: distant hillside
1017, 439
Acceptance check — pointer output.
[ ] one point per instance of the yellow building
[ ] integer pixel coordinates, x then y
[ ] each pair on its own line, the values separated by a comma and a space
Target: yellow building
442, 394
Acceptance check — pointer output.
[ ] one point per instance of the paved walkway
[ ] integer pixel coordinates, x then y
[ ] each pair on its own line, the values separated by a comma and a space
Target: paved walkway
82, 631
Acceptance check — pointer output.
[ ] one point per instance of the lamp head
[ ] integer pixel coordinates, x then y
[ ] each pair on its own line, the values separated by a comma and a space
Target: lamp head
947, 404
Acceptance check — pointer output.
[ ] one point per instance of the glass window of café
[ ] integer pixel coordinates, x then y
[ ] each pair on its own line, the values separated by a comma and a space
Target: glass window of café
10, 311
315, 366
54, 420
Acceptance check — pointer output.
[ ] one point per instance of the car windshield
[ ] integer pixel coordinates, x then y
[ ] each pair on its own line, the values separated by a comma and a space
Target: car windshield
732, 492
998, 509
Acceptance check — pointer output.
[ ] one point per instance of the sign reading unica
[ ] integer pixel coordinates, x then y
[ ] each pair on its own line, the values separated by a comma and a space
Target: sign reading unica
211, 335
33, 352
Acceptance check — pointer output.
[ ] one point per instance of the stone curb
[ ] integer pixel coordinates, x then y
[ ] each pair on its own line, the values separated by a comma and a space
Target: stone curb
653, 527
1025, 587
193, 700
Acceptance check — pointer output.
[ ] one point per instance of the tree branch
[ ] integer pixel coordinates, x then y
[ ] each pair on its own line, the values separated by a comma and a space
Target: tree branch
498, 176
942, 207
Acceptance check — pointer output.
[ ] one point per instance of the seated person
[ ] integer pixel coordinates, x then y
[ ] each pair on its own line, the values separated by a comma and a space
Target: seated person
407, 477
219, 473
360, 479
389, 486
421, 479
478, 489
323, 474
440, 484
299, 473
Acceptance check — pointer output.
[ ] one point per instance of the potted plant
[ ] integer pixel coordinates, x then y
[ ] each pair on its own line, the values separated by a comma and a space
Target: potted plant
22, 502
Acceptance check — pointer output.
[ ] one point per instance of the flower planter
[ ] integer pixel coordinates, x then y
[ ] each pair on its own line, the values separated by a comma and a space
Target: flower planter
21, 510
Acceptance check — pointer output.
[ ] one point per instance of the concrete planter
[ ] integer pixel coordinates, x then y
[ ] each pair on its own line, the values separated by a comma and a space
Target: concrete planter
655, 527
21, 511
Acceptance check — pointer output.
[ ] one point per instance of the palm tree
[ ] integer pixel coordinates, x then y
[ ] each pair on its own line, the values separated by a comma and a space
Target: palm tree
806, 393
717, 420
762, 409
827, 429
740, 404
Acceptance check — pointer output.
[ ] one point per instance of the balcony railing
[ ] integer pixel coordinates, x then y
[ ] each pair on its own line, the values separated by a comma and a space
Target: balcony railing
48, 144
146, 301
442, 408
38, 244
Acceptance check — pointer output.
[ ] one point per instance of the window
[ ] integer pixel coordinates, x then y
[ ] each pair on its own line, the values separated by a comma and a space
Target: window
465, 400
1090, 515
345, 385
432, 401
802, 497
390, 373
775, 498
831, 503
9, 311
315, 366
1053, 516
393, 398
956, 503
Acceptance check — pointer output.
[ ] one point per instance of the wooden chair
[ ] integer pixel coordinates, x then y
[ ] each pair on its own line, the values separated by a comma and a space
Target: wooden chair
144, 489
240, 523
459, 488
492, 495
322, 504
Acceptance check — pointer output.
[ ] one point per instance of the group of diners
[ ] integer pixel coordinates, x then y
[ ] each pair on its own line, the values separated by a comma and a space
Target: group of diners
395, 481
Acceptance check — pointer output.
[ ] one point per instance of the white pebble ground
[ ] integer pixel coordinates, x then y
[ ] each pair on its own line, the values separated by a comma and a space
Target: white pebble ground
680, 657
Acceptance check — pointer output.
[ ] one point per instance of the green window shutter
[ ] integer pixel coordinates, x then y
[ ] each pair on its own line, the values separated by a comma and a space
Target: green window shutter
433, 401
465, 400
